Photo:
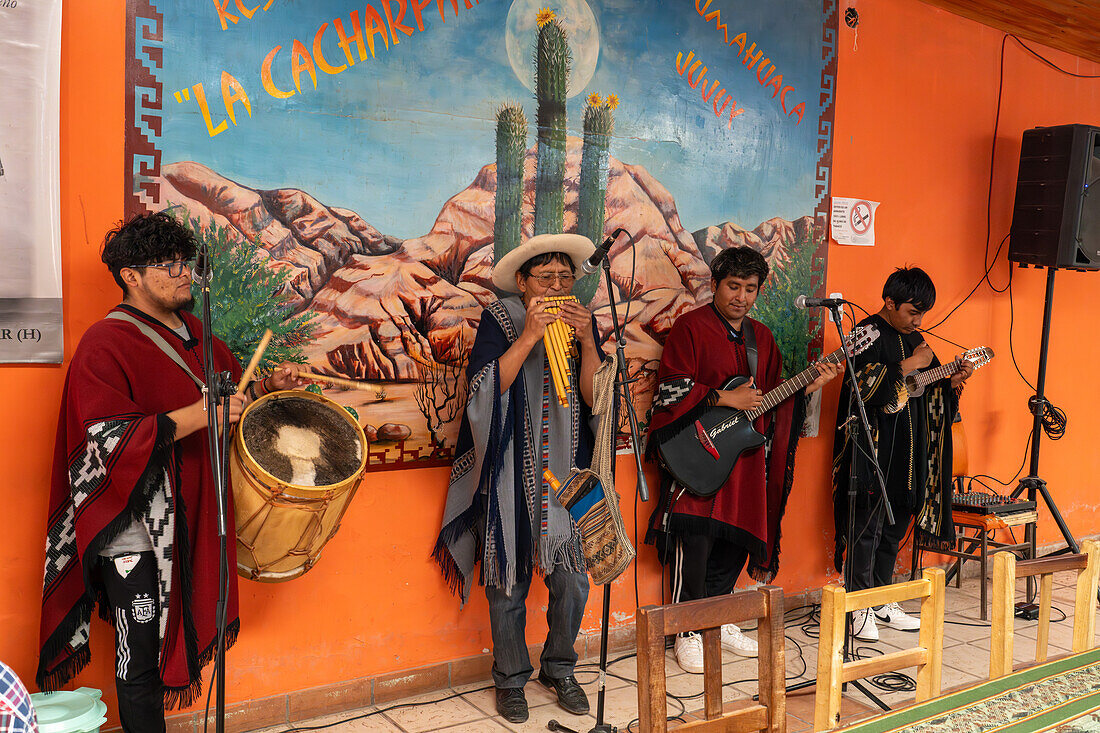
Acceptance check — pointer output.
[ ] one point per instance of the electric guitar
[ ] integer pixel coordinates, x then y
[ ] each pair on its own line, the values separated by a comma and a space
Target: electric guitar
701, 456
915, 382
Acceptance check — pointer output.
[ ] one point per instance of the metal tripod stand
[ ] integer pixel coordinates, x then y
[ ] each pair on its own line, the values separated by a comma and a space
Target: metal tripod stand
1037, 404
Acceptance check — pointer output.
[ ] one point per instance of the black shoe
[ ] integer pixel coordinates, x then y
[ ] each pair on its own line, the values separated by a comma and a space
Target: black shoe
512, 704
570, 695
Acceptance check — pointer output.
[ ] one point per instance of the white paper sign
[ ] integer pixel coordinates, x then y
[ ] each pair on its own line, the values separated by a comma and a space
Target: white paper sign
30, 226
853, 221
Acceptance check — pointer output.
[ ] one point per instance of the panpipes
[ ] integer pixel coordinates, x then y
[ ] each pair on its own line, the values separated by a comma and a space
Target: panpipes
558, 341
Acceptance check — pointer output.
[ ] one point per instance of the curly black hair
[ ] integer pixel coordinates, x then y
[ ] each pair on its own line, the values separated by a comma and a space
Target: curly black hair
146, 239
742, 262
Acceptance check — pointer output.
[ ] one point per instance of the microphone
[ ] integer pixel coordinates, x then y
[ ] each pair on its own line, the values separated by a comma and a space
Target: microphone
803, 302
593, 263
200, 274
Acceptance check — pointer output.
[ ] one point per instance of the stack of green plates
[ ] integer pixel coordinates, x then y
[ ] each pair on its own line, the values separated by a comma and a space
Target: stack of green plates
80, 711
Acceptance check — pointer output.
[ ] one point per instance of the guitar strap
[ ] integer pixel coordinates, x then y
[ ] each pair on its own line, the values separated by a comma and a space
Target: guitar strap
746, 335
161, 344
749, 335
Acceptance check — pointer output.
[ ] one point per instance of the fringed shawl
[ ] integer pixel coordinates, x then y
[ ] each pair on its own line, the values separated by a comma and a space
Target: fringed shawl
498, 510
934, 525
116, 459
912, 438
699, 356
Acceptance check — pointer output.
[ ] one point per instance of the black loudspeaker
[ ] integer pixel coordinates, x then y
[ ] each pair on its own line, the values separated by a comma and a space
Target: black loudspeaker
1056, 219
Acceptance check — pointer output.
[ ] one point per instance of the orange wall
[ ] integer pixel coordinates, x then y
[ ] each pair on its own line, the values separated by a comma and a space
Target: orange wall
914, 120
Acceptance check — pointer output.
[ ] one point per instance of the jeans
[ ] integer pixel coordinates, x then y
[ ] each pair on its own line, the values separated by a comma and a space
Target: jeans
508, 620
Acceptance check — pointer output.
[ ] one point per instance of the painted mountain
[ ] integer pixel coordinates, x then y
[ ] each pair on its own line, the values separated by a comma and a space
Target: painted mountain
401, 314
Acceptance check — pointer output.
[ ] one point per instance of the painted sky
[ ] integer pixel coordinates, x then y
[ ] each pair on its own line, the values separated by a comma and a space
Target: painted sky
394, 137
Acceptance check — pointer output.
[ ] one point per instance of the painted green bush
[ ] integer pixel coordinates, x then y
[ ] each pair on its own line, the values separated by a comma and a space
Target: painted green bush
775, 305
246, 297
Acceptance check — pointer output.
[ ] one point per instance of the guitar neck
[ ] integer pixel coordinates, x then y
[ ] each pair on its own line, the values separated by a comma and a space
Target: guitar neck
789, 387
923, 379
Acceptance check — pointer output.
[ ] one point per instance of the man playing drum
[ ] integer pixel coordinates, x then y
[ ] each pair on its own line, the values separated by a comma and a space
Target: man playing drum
133, 514
498, 503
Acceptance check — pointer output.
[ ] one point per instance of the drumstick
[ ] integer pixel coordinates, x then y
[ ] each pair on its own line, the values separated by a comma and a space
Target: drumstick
264, 341
339, 381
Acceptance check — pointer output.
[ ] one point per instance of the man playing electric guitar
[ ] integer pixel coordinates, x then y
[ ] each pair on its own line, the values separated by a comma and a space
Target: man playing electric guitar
911, 433
707, 541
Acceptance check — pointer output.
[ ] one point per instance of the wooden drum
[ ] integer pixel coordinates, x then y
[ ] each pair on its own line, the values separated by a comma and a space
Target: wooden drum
296, 461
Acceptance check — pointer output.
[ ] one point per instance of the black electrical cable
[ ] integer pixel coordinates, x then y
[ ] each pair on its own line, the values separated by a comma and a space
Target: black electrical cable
987, 263
984, 278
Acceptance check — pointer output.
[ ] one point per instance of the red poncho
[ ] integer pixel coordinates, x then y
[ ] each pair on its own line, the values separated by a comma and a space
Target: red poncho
699, 357
116, 459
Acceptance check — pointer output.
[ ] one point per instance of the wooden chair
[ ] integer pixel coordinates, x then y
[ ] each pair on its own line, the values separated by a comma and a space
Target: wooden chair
1006, 569
654, 623
927, 656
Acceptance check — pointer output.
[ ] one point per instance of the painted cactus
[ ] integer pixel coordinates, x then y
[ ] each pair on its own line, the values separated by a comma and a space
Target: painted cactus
552, 60
598, 126
511, 150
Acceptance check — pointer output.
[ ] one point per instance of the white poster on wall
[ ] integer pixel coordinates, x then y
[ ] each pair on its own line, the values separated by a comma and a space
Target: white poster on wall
853, 221
30, 228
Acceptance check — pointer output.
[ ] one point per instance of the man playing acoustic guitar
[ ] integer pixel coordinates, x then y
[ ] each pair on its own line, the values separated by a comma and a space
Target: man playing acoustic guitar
706, 542
913, 442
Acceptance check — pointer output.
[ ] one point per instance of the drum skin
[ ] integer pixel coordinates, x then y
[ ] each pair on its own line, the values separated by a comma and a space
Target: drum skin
283, 526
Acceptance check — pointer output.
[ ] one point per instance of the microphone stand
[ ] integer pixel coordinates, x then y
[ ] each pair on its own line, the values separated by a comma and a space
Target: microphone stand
622, 391
862, 430
219, 386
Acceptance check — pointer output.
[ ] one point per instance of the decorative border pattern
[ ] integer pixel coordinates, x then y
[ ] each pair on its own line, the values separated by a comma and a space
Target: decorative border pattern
824, 169
144, 106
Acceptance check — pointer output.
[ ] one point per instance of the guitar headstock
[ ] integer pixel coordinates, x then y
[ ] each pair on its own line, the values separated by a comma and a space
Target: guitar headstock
860, 339
978, 357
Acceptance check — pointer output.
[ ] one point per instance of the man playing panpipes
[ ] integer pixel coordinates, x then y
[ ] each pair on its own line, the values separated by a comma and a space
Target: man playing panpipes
707, 541
912, 440
499, 508
133, 514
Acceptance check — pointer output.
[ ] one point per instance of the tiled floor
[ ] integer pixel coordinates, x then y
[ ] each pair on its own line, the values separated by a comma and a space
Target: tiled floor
472, 708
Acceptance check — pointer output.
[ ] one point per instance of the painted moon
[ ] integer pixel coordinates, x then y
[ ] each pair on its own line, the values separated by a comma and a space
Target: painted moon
580, 27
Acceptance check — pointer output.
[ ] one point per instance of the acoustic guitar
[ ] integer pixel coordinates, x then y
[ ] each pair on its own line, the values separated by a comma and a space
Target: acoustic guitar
701, 456
915, 382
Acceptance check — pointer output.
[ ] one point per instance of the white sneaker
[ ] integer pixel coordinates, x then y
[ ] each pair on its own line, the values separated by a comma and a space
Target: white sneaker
738, 643
891, 615
863, 625
689, 653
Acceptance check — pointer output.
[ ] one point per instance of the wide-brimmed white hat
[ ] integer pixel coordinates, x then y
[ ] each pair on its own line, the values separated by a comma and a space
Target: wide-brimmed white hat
578, 247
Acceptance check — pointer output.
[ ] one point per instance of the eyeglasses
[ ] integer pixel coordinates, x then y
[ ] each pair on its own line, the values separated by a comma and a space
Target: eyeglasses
174, 268
547, 280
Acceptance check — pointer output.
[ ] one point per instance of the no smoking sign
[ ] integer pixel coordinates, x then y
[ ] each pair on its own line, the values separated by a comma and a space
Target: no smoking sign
853, 221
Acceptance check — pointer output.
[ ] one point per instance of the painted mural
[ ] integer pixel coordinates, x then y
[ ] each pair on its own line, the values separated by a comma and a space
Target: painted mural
355, 168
